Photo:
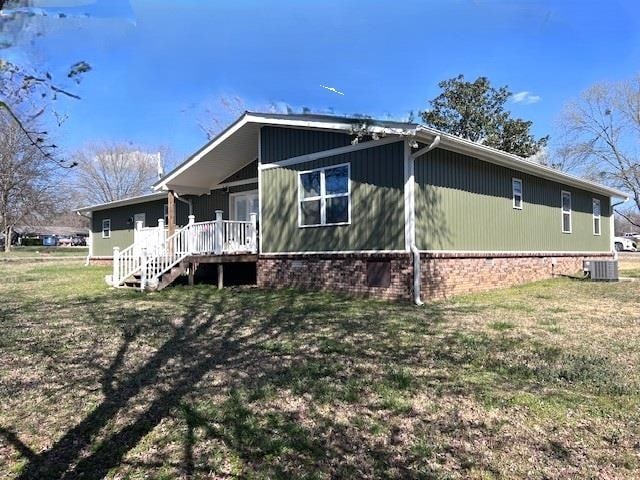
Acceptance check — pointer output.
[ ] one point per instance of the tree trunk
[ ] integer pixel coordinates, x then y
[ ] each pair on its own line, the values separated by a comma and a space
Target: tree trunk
8, 232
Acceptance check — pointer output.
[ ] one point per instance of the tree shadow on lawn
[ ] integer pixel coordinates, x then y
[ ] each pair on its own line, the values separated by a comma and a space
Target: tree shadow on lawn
314, 346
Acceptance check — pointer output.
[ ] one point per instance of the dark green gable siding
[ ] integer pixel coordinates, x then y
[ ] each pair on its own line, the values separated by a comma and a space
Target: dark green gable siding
245, 173
463, 203
205, 206
377, 202
281, 143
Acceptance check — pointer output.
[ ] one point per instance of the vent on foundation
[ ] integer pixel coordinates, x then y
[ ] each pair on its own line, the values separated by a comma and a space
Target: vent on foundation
378, 273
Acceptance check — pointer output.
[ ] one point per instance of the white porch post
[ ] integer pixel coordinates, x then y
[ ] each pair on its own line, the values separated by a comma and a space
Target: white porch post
160, 237
191, 238
137, 233
143, 268
218, 226
115, 280
254, 232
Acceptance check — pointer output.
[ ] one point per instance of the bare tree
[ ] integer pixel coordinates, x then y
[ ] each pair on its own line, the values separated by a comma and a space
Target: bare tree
27, 179
28, 92
111, 172
602, 134
213, 117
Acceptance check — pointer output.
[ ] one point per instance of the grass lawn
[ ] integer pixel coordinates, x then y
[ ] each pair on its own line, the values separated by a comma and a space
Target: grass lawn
44, 252
540, 381
629, 265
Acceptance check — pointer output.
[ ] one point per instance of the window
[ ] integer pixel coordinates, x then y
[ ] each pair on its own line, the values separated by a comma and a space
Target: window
566, 212
516, 187
324, 196
165, 213
106, 228
242, 205
596, 216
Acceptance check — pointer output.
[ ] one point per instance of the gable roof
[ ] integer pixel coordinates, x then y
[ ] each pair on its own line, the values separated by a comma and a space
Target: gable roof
124, 201
238, 145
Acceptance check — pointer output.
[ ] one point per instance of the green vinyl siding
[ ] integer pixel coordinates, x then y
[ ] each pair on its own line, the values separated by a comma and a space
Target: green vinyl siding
377, 204
278, 143
463, 203
204, 207
122, 224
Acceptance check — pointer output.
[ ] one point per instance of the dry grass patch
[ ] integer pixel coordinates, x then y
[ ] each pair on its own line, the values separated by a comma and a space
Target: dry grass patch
538, 381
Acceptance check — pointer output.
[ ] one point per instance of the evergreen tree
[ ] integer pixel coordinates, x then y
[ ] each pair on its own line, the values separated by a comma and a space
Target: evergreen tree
476, 111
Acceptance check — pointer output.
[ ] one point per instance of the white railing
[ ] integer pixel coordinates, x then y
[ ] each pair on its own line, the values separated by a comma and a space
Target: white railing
125, 263
153, 253
174, 249
149, 237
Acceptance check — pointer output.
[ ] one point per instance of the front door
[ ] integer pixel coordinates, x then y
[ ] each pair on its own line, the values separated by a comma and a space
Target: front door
242, 205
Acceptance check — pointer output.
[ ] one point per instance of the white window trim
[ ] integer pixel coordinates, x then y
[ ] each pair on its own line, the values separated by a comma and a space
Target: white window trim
323, 196
513, 193
165, 213
599, 217
563, 212
106, 220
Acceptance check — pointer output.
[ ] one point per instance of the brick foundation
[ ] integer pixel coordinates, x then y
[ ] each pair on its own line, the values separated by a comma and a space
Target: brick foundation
101, 261
335, 273
443, 274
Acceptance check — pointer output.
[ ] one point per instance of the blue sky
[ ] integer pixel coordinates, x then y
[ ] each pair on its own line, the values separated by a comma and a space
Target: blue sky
159, 64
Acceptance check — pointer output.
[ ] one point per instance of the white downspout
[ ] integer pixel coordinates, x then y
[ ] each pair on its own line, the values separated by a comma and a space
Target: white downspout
90, 252
410, 198
188, 202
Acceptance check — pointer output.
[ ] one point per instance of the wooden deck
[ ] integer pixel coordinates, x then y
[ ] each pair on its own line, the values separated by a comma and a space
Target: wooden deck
194, 260
230, 258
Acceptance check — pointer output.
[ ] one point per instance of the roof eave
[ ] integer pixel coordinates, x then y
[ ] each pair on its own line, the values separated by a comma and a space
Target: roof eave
515, 162
122, 203
275, 120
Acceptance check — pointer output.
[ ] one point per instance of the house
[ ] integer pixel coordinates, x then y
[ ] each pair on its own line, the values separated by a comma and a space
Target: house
395, 210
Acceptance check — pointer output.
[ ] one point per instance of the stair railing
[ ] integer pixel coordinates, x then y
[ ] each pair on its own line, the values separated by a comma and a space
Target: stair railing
128, 262
169, 253
125, 264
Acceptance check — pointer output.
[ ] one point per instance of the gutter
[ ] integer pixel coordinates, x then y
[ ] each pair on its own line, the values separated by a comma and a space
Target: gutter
189, 203
411, 183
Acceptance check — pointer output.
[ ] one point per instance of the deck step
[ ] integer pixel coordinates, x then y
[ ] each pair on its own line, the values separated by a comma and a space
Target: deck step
169, 277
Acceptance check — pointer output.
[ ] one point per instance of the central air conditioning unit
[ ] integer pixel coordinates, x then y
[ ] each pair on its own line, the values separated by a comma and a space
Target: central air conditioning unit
601, 270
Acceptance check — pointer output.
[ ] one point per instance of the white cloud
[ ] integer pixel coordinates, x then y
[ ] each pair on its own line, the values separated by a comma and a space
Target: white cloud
525, 97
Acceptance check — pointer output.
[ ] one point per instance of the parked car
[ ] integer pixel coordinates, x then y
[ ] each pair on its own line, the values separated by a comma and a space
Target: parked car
79, 241
65, 241
625, 244
49, 241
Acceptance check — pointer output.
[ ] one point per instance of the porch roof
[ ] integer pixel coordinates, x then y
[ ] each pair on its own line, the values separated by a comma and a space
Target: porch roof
238, 146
